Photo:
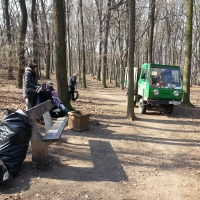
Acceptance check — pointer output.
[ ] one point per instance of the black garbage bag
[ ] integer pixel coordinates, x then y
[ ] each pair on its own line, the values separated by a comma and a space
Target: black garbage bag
58, 114
15, 134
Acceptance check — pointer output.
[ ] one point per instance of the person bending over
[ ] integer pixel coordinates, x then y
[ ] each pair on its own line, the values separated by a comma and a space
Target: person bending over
71, 86
30, 85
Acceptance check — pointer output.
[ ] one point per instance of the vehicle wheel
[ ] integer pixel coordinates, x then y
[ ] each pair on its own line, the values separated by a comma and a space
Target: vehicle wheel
76, 95
142, 106
169, 108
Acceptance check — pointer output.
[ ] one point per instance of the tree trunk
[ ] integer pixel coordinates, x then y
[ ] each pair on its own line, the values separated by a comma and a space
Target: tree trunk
151, 30
35, 33
8, 34
199, 65
130, 106
79, 52
120, 55
100, 53
48, 44
82, 45
188, 53
105, 45
197, 15
99, 10
21, 43
69, 55
60, 52
168, 47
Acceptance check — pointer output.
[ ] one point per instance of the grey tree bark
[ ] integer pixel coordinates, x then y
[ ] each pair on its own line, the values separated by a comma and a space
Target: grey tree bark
188, 53
69, 53
99, 11
151, 30
35, 58
60, 51
8, 34
21, 42
48, 44
82, 45
105, 44
130, 103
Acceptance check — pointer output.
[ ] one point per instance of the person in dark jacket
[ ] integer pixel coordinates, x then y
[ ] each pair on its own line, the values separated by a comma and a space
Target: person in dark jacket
30, 85
71, 86
167, 76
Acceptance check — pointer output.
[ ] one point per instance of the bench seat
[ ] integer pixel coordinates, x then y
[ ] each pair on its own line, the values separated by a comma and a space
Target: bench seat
55, 131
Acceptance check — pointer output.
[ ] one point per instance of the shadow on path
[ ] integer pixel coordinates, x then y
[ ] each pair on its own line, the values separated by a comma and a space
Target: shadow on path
106, 168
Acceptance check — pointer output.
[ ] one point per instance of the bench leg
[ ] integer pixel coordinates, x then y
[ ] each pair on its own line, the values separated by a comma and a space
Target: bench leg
47, 121
40, 154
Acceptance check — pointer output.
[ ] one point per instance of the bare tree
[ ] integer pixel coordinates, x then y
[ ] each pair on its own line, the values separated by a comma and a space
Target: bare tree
48, 44
196, 33
69, 53
188, 53
105, 44
130, 104
82, 45
151, 30
60, 51
168, 37
8, 34
35, 33
21, 43
99, 4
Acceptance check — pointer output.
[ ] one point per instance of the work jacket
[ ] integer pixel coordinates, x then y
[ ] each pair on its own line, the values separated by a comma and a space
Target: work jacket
29, 85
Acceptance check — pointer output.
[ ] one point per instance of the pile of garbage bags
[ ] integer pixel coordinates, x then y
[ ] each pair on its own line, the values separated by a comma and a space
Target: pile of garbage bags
15, 134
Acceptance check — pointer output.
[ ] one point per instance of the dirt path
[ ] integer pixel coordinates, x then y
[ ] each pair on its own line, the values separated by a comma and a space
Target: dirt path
155, 157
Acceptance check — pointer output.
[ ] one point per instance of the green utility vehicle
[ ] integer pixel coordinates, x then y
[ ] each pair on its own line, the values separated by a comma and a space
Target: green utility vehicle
158, 87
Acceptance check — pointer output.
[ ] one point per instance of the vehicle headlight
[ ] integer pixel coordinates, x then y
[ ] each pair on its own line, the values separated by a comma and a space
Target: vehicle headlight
176, 93
156, 92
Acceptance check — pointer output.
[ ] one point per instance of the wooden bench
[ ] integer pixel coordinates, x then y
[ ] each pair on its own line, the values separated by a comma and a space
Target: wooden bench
39, 143
56, 130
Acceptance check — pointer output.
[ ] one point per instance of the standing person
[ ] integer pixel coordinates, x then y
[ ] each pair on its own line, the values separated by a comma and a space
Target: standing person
30, 85
71, 86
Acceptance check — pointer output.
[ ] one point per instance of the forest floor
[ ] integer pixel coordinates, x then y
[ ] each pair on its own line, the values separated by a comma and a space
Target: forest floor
156, 157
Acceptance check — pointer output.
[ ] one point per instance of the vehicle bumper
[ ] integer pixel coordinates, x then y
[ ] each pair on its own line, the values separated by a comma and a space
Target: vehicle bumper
163, 102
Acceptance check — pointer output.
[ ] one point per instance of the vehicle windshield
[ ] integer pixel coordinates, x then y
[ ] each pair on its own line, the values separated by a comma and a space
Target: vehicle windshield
165, 78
